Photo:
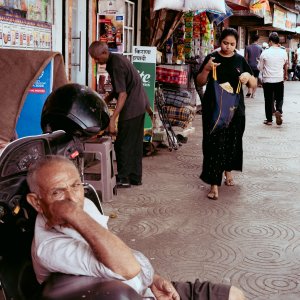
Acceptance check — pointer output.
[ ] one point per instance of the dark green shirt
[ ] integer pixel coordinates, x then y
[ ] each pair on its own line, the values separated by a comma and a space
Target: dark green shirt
125, 78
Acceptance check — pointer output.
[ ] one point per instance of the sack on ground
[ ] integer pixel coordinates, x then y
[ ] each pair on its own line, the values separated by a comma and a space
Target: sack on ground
185, 114
178, 98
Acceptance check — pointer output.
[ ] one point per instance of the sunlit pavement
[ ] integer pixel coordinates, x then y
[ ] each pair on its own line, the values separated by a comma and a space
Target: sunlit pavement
250, 237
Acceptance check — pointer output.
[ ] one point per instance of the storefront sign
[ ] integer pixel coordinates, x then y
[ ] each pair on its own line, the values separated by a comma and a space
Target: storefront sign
284, 19
291, 21
111, 6
268, 18
144, 59
17, 33
30, 116
279, 17
110, 30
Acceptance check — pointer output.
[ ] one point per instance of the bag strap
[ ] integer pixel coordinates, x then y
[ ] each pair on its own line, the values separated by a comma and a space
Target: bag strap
214, 75
238, 89
214, 72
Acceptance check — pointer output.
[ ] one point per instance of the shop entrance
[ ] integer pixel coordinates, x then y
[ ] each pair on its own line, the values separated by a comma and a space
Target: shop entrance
75, 43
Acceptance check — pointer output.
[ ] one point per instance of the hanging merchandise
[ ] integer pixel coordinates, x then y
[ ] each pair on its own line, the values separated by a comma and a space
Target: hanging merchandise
203, 23
188, 37
207, 42
196, 35
169, 50
179, 42
196, 26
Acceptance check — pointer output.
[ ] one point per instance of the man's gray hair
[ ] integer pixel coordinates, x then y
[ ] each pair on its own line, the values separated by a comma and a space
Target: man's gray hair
97, 48
41, 163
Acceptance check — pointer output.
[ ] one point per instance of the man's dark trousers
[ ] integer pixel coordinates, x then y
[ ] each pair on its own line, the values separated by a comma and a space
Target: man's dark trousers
129, 148
273, 92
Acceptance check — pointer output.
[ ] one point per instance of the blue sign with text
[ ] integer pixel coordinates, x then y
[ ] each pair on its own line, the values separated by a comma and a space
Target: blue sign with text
30, 117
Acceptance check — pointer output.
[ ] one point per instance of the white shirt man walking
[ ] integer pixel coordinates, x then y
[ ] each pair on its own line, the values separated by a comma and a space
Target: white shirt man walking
273, 64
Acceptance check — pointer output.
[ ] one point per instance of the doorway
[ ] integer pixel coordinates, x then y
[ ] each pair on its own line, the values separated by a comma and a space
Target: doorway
76, 40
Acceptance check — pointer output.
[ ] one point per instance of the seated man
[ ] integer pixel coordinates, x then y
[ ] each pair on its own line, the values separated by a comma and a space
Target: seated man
71, 237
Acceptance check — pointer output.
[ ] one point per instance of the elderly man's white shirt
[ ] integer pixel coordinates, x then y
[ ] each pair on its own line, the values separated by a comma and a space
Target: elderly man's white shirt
64, 250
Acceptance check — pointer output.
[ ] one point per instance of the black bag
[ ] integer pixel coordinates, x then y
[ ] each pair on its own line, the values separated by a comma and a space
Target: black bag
226, 104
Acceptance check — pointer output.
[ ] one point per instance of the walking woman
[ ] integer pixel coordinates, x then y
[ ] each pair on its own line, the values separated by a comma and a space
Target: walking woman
223, 149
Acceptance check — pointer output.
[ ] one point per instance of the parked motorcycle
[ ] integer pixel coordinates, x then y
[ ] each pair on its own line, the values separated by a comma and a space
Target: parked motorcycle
71, 115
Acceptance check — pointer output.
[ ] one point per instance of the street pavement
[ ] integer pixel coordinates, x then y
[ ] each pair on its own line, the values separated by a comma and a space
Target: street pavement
250, 237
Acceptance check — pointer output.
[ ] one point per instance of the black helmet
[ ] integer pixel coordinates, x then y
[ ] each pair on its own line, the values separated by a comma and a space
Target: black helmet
76, 109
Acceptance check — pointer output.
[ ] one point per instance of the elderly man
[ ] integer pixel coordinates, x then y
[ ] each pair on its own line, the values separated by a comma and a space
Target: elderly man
71, 237
132, 103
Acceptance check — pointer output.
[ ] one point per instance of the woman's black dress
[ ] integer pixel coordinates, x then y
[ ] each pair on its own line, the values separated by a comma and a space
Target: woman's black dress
223, 149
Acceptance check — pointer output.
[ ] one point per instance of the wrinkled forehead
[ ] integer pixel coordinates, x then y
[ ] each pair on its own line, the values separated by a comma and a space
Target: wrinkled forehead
55, 171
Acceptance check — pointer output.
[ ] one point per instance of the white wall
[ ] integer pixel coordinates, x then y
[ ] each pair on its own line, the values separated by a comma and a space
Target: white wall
57, 34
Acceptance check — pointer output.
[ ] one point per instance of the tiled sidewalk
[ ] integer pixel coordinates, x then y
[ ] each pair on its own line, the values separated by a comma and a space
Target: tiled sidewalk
250, 237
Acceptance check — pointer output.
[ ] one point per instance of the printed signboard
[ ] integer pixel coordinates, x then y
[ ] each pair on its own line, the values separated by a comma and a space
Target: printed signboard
30, 117
144, 59
110, 30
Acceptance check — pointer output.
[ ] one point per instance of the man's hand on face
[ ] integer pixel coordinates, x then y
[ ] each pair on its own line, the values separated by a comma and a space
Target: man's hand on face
59, 212
163, 289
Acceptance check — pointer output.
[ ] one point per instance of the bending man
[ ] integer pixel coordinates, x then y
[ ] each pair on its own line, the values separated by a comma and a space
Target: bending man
132, 103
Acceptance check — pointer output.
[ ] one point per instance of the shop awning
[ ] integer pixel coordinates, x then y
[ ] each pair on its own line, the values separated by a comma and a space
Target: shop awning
283, 6
242, 8
238, 4
284, 19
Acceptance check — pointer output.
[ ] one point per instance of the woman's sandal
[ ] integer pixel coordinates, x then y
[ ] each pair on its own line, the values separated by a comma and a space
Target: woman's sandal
212, 195
228, 181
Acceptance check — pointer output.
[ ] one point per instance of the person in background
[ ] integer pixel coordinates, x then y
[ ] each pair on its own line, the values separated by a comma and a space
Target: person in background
223, 149
132, 103
252, 55
297, 64
273, 64
71, 237
259, 83
265, 45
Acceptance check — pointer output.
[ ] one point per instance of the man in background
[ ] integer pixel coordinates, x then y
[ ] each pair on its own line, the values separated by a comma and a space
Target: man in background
297, 64
132, 103
273, 64
252, 55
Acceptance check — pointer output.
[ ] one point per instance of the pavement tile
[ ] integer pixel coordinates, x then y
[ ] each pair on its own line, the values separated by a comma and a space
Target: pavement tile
250, 237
